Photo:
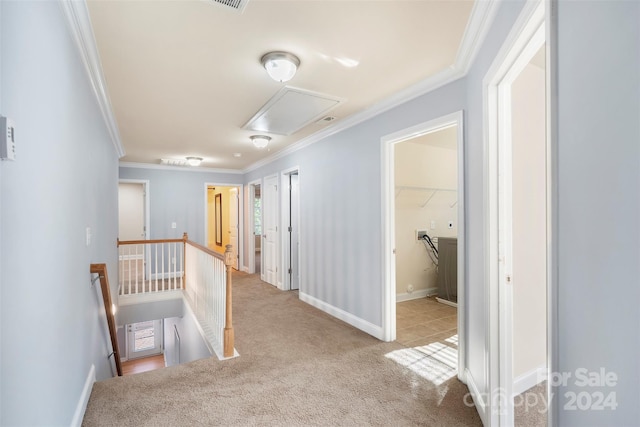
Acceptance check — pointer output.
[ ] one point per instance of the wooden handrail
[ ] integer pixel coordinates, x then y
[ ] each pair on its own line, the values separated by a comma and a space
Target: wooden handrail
101, 271
144, 242
227, 258
185, 239
206, 250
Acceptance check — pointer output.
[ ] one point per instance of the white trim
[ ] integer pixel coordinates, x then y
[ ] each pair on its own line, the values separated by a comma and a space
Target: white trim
284, 220
388, 226
509, 61
478, 397
552, 203
81, 407
529, 379
142, 298
422, 293
79, 22
134, 165
356, 322
446, 302
480, 21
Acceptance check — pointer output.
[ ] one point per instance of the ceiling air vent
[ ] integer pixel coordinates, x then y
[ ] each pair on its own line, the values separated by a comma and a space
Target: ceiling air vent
326, 119
238, 5
290, 110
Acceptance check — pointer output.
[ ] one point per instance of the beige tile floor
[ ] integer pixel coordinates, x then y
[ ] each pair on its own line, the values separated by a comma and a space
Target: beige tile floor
424, 321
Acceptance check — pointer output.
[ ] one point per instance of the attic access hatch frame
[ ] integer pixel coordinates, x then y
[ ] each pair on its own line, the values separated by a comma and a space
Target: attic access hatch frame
290, 110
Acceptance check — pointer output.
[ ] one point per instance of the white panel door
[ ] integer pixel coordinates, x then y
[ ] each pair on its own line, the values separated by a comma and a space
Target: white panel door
270, 230
233, 224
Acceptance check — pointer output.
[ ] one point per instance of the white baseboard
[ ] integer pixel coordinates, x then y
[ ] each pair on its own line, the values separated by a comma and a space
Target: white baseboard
529, 379
349, 318
478, 399
84, 398
422, 293
245, 269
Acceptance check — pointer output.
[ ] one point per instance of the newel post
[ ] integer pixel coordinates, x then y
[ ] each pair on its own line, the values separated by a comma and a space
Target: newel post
228, 325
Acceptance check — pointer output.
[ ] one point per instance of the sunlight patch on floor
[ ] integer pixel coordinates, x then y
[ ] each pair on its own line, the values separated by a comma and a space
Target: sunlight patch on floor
435, 362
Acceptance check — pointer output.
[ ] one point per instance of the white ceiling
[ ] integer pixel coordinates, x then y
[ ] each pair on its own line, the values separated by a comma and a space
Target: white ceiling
184, 76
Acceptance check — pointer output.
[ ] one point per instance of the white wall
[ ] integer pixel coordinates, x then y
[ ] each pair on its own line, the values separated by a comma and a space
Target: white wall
426, 166
598, 194
192, 345
64, 180
178, 196
340, 218
529, 204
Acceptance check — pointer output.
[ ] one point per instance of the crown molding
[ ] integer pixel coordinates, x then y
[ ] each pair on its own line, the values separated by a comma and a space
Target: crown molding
79, 22
482, 16
480, 20
134, 165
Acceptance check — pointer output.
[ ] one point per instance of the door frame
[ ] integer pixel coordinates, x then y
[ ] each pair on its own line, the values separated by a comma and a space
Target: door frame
285, 217
146, 188
525, 39
158, 328
147, 210
240, 188
388, 226
251, 265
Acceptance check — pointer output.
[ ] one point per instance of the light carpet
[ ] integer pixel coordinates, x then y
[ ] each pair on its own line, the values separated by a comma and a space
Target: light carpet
297, 366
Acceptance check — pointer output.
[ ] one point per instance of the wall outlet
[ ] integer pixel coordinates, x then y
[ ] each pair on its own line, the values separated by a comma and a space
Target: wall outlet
433, 224
420, 234
173, 225
409, 288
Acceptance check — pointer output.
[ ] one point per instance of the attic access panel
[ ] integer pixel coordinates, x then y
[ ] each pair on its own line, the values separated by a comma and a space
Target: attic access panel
290, 110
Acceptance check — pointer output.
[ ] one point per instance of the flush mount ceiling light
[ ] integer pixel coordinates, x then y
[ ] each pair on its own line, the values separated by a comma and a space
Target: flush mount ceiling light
260, 141
281, 66
194, 161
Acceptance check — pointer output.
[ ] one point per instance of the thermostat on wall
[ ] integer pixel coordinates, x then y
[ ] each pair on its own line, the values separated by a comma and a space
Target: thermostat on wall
7, 139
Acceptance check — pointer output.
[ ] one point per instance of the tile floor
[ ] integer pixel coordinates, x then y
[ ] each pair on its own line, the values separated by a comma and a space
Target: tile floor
424, 321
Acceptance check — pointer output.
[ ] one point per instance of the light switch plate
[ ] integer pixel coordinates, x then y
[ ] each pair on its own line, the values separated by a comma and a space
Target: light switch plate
7, 139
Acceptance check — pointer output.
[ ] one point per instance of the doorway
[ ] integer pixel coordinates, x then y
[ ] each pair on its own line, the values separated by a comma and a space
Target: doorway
133, 224
255, 243
426, 237
517, 227
291, 226
144, 339
222, 219
133, 210
424, 194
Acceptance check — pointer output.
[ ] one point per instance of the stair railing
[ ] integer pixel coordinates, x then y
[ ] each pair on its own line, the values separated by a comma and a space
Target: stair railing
149, 266
101, 271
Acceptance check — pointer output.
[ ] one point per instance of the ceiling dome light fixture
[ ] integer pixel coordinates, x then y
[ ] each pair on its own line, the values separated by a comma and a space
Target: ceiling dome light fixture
260, 141
281, 66
194, 161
